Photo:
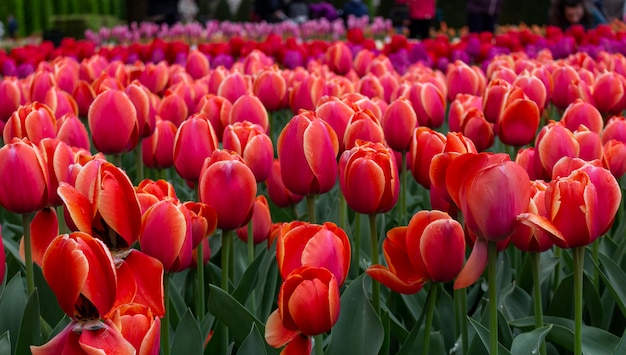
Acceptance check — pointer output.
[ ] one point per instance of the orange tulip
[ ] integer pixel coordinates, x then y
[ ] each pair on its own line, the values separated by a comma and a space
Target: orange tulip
313, 245
113, 122
276, 190
368, 177
35, 121
307, 150
140, 327
399, 123
580, 207
228, 185
24, 181
194, 141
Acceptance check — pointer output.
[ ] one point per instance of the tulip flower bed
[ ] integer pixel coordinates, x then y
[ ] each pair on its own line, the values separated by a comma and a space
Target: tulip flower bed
156, 202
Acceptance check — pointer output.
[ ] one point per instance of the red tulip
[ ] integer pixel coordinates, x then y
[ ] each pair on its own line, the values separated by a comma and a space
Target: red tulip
197, 64
528, 158
307, 149
518, 122
155, 77
428, 102
35, 121
233, 86
42, 81
313, 245
534, 89
580, 207
140, 327
57, 159
173, 108
399, 123
370, 86
271, 88
203, 222
87, 291
249, 108
146, 117
24, 181
461, 104
261, 222
363, 125
368, 177
306, 93
72, 131
157, 149
609, 93
150, 192
337, 114
475, 127
425, 144
84, 95
530, 239
362, 61
103, 203
590, 144
84, 338
10, 96
338, 57
195, 140
615, 157
217, 109
495, 98
615, 129
364, 103
276, 189
113, 122
166, 234
464, 79
554, 142
582, 113
228, 185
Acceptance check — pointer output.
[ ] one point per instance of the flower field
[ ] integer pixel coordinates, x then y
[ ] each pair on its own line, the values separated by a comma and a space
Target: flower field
221, 188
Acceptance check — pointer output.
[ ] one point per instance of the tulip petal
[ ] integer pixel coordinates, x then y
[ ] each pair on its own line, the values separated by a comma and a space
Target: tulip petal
536, 221
475, 265
276, 334
310, 308
325, 250
442, 247
392, 281
43, 229
107, 340
299, 345
163, 232
78, 207
148, 275
320, 151
365, 185
118, 204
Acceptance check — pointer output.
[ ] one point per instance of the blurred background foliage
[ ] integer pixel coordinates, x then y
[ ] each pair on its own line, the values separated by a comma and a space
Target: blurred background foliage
72, 17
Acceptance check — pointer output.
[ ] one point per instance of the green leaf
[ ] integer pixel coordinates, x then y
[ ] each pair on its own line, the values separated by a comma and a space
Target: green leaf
12, 306
230, 312
515, 302
358, 330
30, 326
49, 307
562, 304
483, 334
592, 303
59, 327
621, 346
615, 280
187, 339
254, 344
5, 343
528, 343
248, 280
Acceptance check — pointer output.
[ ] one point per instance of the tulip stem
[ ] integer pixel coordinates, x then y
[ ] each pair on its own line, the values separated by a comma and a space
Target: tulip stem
226, 240
579, 260
535, 265
200, 275
430, 311
310, 203
557, 268
357, 242
342, 212
61, 218
319, 344
165, 327
403, 190
30, 277
374, 247
460, 297
250, 261
595, 251
492, 253
139, 162
117, 160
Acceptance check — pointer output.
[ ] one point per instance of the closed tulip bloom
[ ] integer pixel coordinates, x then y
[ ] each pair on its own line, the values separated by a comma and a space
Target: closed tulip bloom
35, 121
146, 116
203, 222
73, 132
155, 77
24, 181
84, 95
363, 103
533, 88
582, 113
217, 109
478, 129
58, 157
362, 61
271, 88
113, 122
554, 142
140, 327
491, 191
233, 86
197, 64
276, 190
428, 102
580, 207
615, 129
250, 141
173, 108
495, 98
249, 108
306, 93
370, 86
261, 222
11, 97
518, 123
42, 81
166, 234
150, 192
529, 239
157, 149
461, 104
528, 158
615, 157
590, 144
195, 140
336, 113
365, 126
368, 177
464, 79
228, 185
307, 150
425, 144
563, 77
609, 93
312, 245
399, 123
338, 57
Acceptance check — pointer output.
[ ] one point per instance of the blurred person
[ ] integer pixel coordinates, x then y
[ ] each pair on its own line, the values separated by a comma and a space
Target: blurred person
399, 15
355, 8
565, 13
482, 15
271, 11
421, 14
613, 9
12, 26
